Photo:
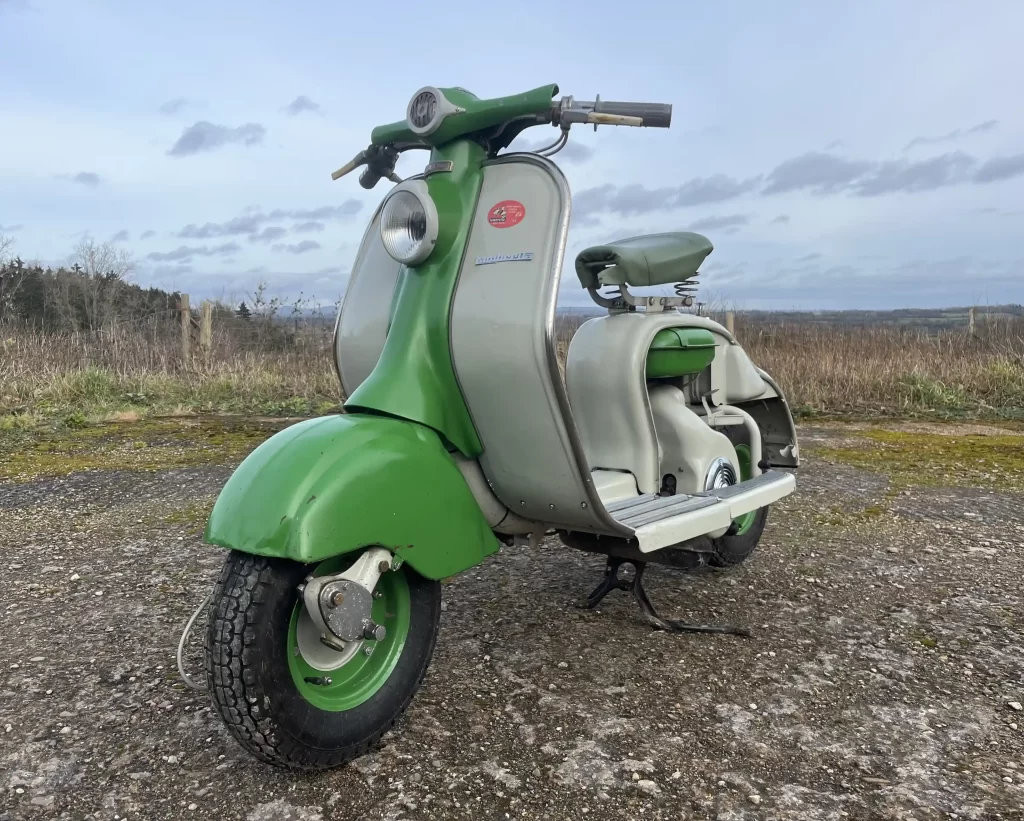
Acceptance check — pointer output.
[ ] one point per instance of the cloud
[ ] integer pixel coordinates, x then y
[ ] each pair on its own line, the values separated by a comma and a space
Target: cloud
914, 177
298, 248
185, 252
714, 223
781, 219
171, 270
173, 106
206, 136
268, 235
121, 236
834, 144
346, 209
635, 199
809, 257
147, 234
333, 269
86, 178
300, 104
955, 134
1000, 168
307, 227
254, 219
10, 229
819, 172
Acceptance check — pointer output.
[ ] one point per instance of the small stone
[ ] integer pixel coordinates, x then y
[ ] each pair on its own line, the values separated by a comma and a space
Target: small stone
892, 550
75, 577
647, 786
37, 659
172, 759
1013, 725
677, 775
636, 776
753, 706
98, 593
193, 807
552, 687
65, 730
19, 791
1007, 779
754, 799
721, 783
1015, 705
562, 665
8, 728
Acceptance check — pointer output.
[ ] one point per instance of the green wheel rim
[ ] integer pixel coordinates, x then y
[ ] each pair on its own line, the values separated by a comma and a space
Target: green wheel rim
362, 675
743, 523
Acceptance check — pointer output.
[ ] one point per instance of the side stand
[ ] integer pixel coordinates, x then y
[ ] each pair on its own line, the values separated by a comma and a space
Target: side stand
613, 581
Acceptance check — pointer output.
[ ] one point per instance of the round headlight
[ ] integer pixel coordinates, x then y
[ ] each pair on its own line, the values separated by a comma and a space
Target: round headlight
408, 223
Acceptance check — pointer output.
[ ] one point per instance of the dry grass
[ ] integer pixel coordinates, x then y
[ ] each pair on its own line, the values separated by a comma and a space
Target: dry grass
825, 370
893, 369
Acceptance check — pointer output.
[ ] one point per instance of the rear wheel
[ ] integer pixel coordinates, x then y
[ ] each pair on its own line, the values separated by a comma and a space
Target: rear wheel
287, 698
745, 533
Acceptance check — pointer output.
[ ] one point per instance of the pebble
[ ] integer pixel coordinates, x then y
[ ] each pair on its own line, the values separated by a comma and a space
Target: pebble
75, 577
193, 807
754, 799
1015, 705
98, 593
563, 665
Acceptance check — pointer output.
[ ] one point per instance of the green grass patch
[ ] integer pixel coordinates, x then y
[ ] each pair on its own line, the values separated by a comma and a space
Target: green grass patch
935, 459
147, 445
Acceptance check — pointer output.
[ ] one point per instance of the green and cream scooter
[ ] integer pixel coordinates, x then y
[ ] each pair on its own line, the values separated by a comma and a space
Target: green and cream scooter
460, 433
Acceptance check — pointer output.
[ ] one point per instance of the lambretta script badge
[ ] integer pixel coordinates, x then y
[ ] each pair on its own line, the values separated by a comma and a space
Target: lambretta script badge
522, 256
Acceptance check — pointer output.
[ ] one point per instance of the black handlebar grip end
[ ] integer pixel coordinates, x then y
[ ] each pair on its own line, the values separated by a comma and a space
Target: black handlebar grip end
369, 178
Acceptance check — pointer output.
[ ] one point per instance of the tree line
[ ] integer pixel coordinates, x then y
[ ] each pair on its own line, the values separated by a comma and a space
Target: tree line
90, 293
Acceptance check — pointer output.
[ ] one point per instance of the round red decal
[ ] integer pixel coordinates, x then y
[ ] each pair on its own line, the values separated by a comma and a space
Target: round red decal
506, 214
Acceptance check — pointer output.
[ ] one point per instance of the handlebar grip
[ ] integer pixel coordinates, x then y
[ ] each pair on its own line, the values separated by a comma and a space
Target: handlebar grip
654, 115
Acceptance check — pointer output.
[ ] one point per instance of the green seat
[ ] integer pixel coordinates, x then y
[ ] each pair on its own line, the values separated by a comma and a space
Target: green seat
653, 259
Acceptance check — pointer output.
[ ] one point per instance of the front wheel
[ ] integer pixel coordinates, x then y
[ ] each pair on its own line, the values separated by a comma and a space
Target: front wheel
288, 699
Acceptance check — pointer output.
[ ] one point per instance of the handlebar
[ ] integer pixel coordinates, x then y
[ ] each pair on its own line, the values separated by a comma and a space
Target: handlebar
653, 115
600, 112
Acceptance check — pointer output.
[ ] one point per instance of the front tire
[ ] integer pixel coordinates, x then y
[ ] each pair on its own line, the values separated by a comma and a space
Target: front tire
256, 669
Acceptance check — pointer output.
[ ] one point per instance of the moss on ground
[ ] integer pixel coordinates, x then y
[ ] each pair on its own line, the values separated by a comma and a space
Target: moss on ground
150, 444
936, 459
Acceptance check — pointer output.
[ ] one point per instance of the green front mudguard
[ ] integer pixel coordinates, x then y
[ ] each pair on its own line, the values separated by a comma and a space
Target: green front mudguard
336, 484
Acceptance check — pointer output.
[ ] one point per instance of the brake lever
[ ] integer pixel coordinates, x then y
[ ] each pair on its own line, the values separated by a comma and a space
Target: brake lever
358, 160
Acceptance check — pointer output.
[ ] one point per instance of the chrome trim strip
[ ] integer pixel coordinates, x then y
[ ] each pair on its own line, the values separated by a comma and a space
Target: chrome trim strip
593, 500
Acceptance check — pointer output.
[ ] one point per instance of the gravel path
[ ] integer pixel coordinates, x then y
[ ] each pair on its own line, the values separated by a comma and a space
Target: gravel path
884, 679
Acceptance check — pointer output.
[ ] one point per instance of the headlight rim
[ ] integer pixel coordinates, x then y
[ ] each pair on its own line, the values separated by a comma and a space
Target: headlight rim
425, 247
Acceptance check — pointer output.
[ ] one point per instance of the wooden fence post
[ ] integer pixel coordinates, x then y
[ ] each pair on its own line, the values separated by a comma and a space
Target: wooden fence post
186, 330
970, 321
730, 322
206, 327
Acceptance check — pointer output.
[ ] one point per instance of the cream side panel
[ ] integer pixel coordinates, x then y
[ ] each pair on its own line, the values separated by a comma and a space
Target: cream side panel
501, 322
363, 322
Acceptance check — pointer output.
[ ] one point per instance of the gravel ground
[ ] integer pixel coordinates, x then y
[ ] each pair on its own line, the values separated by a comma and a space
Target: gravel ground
884, 679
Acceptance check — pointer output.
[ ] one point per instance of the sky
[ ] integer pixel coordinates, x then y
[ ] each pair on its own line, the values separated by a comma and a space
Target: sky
866, 155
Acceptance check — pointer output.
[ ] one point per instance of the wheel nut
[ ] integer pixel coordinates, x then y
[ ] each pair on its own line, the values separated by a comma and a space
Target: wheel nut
384, 566
377, 632
336, 599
